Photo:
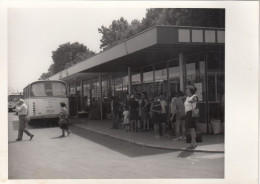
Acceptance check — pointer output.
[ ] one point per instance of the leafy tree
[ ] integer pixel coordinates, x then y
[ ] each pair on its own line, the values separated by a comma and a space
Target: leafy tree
120, 29
67, 55
47, 74
115, 32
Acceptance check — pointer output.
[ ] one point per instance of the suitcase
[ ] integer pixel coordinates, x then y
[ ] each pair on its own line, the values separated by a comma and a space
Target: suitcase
198, 138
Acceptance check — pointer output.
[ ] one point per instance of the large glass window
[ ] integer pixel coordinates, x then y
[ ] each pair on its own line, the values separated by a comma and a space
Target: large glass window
79, 96
136, 83
72, 88
161, 79
120, 85
216, 61
195, 74
216, 85
105, 87
174, 77
148, 85
95, 91
87, 94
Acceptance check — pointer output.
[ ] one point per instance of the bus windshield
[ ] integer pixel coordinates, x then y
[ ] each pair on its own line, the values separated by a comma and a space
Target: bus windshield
48, 88
13, 97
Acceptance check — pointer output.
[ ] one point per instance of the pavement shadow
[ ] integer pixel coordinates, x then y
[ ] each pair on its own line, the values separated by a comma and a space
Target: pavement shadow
123, 147
43, 123
185, 154
11, 142
15, 125
58, 137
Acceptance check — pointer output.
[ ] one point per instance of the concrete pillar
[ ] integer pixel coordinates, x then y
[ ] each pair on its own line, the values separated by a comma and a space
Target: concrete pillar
82, 95
168, 82
100, 100
129, 81
168, 90
154, 82
142, 80
182, 71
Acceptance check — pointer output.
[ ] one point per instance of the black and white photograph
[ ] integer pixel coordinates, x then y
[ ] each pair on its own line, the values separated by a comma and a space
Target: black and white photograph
129, 90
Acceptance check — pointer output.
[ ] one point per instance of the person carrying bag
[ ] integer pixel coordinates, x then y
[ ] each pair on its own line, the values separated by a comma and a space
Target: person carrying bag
64, 120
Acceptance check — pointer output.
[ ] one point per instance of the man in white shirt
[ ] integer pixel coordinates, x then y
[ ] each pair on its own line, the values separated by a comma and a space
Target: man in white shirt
22, 113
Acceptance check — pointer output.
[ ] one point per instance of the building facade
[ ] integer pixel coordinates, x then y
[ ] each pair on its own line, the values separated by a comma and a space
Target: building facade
160, 60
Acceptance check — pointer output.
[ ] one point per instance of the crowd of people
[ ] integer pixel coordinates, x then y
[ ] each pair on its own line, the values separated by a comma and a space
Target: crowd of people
140, 114
163, 117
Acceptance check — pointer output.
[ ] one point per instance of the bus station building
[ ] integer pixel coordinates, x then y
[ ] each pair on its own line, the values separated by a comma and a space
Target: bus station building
159, 60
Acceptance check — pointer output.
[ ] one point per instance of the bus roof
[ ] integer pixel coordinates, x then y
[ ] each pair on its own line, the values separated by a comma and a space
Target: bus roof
15, 94
45, 81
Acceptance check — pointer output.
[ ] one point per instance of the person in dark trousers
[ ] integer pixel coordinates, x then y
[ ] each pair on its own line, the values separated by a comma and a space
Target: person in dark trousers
178, 111
163, 115
22, 113
134, 108
115, 112
190, 122
156, 109
144, 112
64, 120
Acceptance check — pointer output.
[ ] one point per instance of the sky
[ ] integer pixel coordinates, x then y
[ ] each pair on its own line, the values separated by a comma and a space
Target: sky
33, 33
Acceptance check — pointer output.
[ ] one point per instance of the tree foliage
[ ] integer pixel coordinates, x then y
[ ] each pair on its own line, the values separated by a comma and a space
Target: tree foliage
47, 74
120, 29
67, 55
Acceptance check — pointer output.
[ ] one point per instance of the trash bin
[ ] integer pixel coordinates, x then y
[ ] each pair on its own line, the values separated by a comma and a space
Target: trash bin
217, 126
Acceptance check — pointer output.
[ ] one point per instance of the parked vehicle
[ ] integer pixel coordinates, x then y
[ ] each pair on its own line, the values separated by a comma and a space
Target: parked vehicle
12, 101
43, 98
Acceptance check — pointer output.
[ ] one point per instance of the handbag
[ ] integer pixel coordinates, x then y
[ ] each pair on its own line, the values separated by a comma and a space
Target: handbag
195, 113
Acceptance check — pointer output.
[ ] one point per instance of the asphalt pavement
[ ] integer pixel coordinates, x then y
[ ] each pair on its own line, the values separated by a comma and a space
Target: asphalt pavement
211, 143
86, 154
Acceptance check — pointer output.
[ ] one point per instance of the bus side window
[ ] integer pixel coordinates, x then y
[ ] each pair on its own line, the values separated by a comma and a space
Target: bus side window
31, 92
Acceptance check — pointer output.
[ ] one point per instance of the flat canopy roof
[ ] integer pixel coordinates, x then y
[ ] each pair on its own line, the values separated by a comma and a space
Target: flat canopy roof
152, 45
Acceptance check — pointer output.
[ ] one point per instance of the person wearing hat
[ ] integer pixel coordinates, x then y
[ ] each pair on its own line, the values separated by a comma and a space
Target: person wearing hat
64, 119
22, 111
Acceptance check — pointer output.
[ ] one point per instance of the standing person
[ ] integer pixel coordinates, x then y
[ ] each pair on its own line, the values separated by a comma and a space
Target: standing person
163, 114
173, 111
126, 115
155, 113
64, 119
138, 99
190, 123
115, 112
144, 111
22, 110
178, 110
134, 107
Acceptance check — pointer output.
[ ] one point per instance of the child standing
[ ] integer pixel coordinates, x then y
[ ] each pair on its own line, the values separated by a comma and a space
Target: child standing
126, 115
63, 119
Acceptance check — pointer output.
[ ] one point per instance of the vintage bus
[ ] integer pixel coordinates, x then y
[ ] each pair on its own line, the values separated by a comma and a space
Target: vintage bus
12, 101
43, 99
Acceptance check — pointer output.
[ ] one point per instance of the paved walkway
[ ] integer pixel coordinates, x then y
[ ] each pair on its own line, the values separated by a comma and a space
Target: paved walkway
211, 143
